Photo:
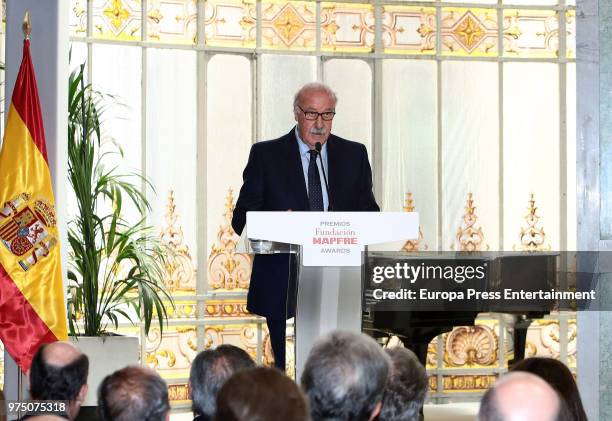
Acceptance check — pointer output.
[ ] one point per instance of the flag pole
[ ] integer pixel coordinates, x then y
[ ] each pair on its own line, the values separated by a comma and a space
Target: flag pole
26, 27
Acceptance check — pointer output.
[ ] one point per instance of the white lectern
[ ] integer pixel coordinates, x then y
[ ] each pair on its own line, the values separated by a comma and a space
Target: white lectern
329, 290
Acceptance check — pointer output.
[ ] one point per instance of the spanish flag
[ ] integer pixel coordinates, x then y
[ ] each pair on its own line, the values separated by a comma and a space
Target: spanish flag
32, 308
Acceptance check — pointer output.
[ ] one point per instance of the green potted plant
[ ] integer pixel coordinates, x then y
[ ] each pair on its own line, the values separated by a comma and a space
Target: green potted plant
116, 268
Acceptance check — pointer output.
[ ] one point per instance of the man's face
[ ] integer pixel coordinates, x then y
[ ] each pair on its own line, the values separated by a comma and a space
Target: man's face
313, 131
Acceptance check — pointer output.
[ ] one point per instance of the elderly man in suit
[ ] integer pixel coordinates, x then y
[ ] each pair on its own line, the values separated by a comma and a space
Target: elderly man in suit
308, 169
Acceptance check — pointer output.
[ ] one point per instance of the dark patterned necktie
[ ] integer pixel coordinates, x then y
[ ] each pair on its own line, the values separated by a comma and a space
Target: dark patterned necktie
315, 193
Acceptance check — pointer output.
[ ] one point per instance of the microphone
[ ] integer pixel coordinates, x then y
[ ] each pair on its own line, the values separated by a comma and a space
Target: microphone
318, 149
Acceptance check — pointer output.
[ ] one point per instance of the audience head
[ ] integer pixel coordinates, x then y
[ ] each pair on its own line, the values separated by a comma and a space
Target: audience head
59, 372
209, 370
261, 394
406, 387
556, 374
522, 396
344, 377
133, 393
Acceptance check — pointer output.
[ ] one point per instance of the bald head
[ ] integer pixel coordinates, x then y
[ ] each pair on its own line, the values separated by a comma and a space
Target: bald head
60, 353
59, 372
521, 396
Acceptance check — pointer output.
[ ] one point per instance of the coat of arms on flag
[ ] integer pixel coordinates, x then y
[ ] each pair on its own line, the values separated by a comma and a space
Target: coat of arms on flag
24, 229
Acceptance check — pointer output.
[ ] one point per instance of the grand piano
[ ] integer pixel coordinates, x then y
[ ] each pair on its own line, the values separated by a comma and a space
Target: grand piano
417, 323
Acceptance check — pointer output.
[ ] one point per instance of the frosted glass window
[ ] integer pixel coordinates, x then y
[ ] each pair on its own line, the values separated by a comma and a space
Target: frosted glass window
531, 148
410, 140
117, 71
470, 148
228, 138
172, 139
352, 82
281, 77
78, 55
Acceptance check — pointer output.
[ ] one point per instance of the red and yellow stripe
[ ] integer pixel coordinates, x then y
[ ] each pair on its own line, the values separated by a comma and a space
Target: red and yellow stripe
32, 306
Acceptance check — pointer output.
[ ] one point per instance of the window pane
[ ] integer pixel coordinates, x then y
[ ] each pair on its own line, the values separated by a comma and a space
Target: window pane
78, 55
469, 32
347, 27
352, 82
281, 77
228, 134
470, 149
288, 25
409, 29
77, 18
410, 152
230, 23
171, 151
531, 149
116, 71
117, 19
174, 21
531, 33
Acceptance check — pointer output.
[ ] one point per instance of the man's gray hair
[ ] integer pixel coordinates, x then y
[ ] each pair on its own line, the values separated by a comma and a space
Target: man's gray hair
209, 370
406, 387
314, 86
344, 377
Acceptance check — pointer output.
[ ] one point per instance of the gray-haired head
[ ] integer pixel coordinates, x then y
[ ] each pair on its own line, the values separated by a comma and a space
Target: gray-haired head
406, 387
314, 86
209, 371
133, 393
344, 377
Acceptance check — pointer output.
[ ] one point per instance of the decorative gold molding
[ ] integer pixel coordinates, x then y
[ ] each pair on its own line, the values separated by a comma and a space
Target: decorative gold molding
412, 245
153, 358
462, 383
532, 237
471, 346
226, 308
180, 271
433, 383
469, 237
178, 392
116, 13
226, 268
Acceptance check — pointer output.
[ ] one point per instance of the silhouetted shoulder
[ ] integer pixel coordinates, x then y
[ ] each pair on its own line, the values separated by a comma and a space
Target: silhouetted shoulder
272, 144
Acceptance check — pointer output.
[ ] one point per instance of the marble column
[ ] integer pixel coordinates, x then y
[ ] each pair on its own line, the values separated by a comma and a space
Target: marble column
594, 195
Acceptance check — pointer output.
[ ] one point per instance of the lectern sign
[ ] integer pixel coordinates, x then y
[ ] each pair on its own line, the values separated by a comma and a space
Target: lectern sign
332, 238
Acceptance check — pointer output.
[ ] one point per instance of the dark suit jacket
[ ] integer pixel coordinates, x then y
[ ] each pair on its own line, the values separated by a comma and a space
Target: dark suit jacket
273, 180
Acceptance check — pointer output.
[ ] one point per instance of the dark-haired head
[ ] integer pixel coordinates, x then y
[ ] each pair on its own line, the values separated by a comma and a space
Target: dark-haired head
406, 386
560, 378
59, 372
261, 394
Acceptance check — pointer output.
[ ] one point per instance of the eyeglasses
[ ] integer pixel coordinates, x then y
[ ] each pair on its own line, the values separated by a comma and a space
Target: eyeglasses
313, 115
